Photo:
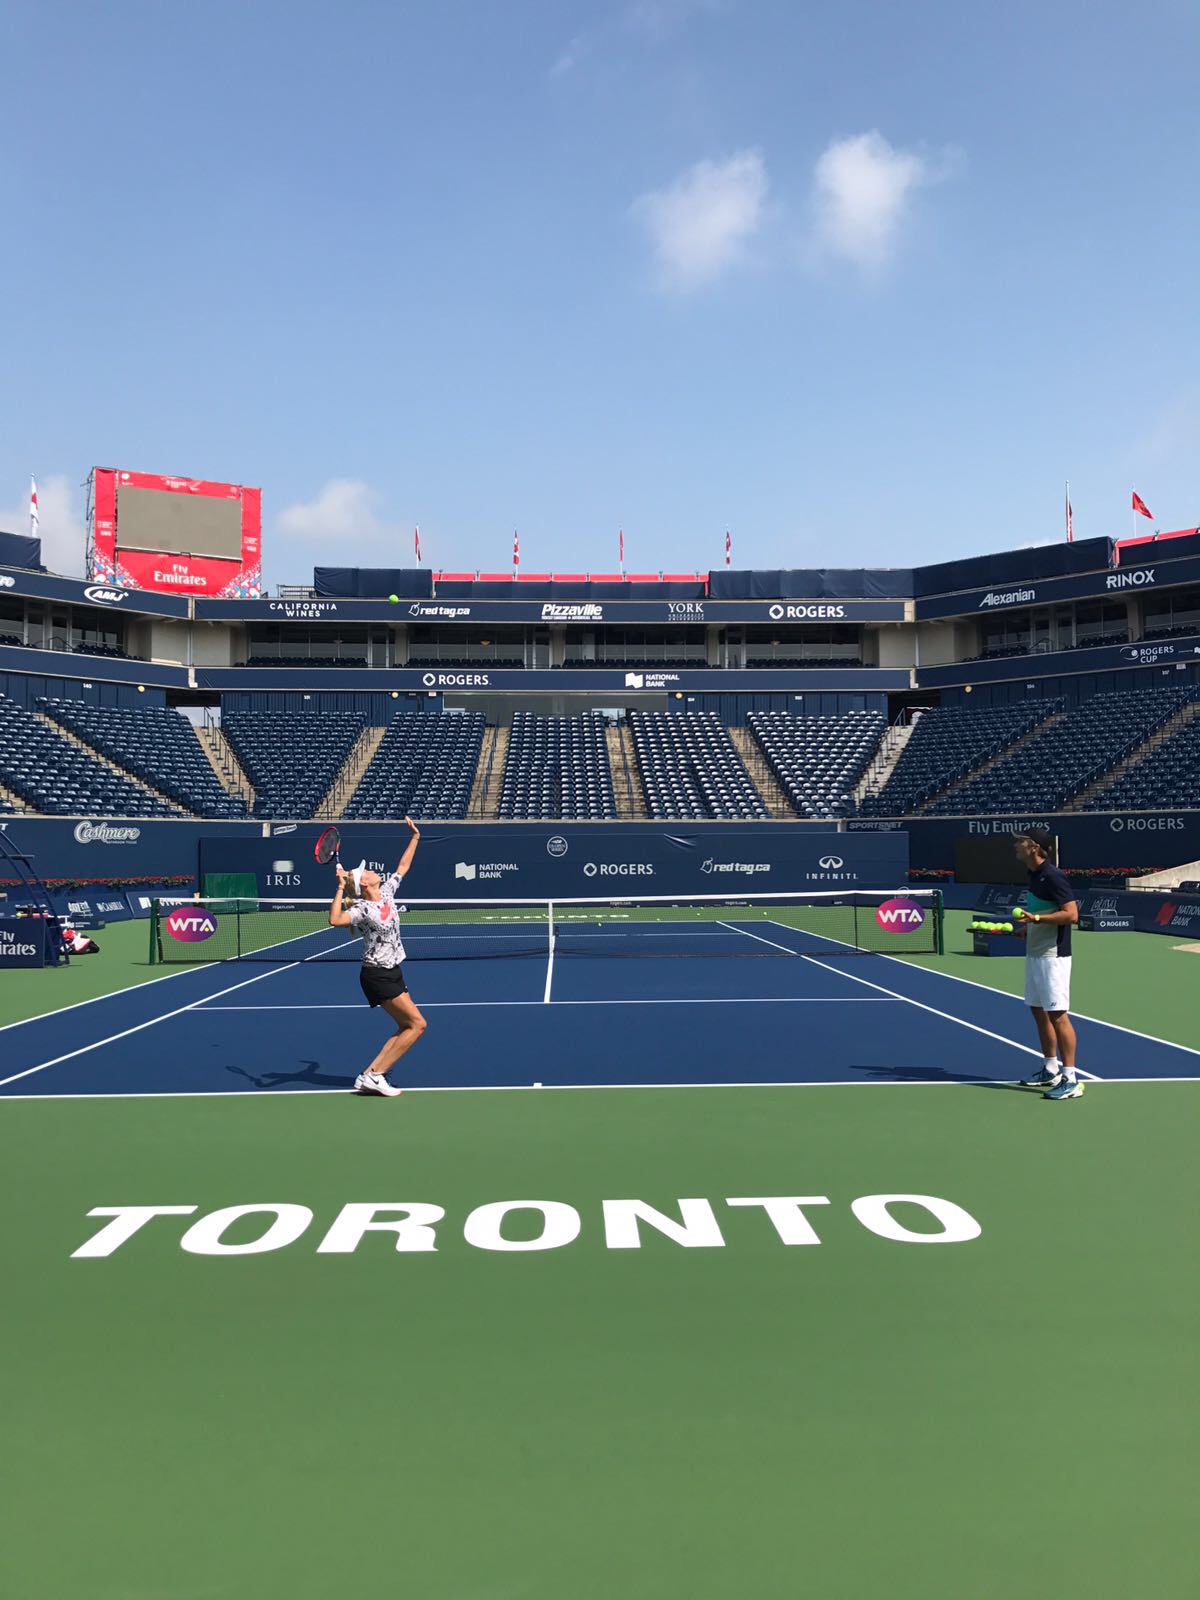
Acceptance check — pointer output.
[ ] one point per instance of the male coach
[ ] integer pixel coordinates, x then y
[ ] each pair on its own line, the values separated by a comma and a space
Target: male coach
1051, 912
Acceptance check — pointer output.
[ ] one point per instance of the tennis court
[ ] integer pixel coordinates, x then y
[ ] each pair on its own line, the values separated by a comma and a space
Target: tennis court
737, 1386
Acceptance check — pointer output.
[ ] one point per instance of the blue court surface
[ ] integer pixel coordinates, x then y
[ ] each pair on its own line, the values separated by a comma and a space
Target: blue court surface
800, 1012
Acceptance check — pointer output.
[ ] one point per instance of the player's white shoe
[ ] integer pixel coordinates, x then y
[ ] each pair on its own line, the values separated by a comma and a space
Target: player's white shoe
374, 1083
1042, 1080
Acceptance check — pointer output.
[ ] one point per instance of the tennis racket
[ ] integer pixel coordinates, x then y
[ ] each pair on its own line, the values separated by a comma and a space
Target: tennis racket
328, 847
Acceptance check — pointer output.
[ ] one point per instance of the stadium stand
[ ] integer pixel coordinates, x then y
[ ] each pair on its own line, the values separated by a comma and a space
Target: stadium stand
818, 760
424, 767
59, 779
155, 744
1061, 760
306, 661
1168, 776
557, 767
457, 662
291, 760
689, 767
948, 743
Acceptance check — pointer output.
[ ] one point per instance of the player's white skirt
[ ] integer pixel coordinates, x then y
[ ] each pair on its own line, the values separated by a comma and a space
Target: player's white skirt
1048, 982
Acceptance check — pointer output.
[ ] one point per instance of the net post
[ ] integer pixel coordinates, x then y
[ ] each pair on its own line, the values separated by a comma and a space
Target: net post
153, 958
550, 927
939, 922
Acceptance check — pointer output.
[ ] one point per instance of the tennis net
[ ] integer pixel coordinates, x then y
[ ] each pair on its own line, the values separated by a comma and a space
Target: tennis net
896, 922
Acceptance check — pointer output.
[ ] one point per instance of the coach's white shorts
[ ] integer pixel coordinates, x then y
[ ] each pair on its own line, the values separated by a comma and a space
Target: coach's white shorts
1048, 982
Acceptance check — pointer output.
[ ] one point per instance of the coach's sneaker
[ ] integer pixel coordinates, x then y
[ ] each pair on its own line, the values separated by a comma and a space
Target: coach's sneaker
374, 1083
1042, 1080
1067, 1089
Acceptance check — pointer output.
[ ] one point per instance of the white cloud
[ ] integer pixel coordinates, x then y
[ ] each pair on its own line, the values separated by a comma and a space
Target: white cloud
60, 524
658, 19
344, 509
702, 224
863, 189
570, 58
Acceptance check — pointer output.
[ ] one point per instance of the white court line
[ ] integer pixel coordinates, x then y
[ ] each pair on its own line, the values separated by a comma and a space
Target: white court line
707, 1000
549, 974
96, 1044
920, 1004
276, 1095
908, 1000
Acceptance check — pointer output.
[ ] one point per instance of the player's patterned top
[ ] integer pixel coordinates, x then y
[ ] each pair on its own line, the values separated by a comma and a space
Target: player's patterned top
1049, 890
378, 921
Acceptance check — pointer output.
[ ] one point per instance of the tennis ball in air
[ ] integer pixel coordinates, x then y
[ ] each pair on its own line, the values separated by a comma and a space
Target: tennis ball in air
395, 599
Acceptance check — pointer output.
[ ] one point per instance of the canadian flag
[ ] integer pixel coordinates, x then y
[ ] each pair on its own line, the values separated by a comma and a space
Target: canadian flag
516, 549
621, 545
417, 543
33, 509
1140, 505
728, 546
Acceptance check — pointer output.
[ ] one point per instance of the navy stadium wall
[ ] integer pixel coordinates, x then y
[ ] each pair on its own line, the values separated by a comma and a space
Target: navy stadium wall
1093, 841
543, 860
19, 550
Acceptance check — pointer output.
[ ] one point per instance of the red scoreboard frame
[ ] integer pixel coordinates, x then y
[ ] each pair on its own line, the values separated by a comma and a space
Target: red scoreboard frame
169, 572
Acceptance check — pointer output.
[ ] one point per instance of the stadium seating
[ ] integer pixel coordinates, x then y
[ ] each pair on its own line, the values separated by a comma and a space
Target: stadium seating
58, 778
818, 760
306, 661
948, 743
757, 662
424, 767
473, 663
1060, 761
637, 664
291, 760
1168, 776
157, 745
689, 767
557, 767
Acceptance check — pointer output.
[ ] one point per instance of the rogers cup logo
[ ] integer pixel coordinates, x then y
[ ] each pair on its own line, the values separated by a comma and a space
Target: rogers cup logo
900, 915
190, 924
556, 845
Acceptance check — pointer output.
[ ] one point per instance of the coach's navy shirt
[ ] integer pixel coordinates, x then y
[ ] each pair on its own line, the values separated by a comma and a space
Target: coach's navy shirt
1049, 890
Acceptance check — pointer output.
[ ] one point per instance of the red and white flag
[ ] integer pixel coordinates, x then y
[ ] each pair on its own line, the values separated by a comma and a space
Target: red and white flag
1140, 505
33, 509
621, 547
728, 546
516, 549
1070, 519
417, 543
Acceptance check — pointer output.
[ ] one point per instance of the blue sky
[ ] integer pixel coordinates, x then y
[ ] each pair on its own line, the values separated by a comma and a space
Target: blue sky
864, 282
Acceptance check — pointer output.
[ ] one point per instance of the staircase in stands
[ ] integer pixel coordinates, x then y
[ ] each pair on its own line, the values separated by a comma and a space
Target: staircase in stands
770, 789
225, 764
349, 775
1159, 737
107, 761
1051, 721
628, 793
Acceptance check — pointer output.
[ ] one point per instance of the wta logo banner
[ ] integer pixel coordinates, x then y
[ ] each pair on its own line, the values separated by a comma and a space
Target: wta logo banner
900, 915
191, 924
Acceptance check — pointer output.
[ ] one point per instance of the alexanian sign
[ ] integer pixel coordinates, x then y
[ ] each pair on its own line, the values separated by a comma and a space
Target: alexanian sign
416, 1226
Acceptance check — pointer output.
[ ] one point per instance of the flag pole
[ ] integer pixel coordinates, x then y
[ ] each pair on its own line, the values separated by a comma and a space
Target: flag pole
1070, 530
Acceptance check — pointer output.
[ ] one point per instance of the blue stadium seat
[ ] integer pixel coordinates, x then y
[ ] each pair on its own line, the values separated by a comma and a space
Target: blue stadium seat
690, 768
291, 759
424, 767
557, 767
818, 760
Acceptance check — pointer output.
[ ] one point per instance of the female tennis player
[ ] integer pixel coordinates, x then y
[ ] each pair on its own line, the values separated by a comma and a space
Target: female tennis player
372, 913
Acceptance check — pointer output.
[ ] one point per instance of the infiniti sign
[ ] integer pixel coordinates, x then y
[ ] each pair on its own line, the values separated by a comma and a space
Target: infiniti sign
831, 863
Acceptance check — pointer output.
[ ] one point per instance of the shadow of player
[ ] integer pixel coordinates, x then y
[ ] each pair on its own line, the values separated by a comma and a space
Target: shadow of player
311, 1077
937, 1075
